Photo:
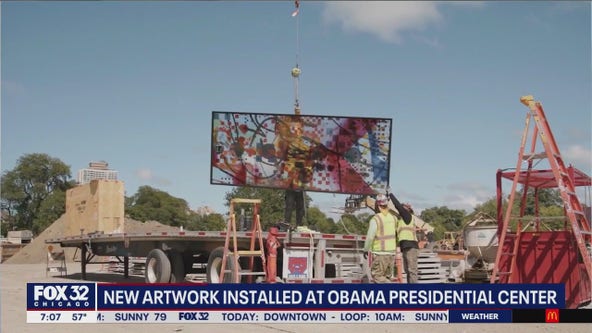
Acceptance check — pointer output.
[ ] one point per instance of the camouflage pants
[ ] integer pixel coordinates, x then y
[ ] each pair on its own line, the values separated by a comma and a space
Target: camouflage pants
382, 267
410, 264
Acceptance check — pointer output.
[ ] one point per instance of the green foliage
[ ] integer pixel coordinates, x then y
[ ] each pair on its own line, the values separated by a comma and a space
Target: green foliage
350, 224
550, 206
550, 209
556, 218
49, 211
35, 178
547, 198
439, 231
150, 204
272, 204
488, 207
443, 219
318, 221
210, 222
33, 196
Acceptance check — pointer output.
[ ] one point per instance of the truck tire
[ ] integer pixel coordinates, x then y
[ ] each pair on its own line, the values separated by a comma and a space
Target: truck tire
158, 267
177, 267
215, 264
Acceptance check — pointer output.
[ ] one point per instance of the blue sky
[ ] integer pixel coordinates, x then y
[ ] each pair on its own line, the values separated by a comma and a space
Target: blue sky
134, 83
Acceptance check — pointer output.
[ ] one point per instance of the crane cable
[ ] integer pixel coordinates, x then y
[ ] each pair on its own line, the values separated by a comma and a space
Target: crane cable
295, 75
296, 70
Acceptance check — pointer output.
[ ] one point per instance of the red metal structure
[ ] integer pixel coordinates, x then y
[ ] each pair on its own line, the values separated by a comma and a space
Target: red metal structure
526, 253
272, 244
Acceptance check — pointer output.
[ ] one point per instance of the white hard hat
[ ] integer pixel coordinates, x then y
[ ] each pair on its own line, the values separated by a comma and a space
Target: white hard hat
381, 200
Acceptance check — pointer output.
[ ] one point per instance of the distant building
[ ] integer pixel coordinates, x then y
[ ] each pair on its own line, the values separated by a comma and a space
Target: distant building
96, 170
204, 211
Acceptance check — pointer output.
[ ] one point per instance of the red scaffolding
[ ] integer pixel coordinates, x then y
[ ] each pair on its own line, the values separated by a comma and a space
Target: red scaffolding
526, 253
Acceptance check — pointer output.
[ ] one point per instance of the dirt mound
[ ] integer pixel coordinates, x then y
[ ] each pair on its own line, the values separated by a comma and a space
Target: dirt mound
133, 226
36, 251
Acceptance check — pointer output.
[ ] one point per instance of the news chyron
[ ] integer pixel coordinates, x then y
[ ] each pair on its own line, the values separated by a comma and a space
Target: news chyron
61, 296
298, 303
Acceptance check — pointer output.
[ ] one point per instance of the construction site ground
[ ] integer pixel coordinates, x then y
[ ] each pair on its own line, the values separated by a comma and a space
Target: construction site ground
29, 265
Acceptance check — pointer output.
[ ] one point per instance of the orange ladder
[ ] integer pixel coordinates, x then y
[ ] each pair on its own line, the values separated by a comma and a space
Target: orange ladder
234, 253
508, 276
565, 182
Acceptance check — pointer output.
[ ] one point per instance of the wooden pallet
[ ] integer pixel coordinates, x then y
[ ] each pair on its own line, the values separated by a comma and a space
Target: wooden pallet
430, 269
136, 266
7, 250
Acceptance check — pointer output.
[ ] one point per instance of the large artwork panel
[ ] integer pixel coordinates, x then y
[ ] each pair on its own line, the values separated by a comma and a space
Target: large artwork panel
311, 153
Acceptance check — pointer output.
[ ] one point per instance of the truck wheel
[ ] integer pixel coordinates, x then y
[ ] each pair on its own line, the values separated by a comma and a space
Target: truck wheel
177, 267
215, 265
158, 267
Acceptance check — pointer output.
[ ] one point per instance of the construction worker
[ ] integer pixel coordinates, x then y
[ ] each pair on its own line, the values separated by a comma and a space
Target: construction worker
296, 166
381, 240
407, 239
294, 200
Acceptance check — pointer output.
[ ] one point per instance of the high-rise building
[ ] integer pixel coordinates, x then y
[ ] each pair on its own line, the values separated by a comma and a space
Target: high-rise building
96, 170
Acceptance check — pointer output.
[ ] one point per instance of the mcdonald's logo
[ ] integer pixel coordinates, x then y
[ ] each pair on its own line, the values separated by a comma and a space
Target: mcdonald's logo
551, 315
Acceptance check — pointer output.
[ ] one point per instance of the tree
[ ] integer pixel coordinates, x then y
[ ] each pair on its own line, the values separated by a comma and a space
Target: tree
547, 197
488, 207
34, 179
553, 224
272, 206
318, 221
50, 210
443, 219
209, 222
150, 204
351, 224
550, 205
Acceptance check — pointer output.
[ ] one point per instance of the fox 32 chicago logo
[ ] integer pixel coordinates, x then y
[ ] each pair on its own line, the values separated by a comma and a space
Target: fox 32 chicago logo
61, 296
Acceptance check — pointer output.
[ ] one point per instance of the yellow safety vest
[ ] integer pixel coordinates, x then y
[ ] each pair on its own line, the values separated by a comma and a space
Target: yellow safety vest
406, 231
386, 238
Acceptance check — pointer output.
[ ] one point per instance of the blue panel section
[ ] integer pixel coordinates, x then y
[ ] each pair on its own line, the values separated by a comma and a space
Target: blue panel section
61, 296
334, 296
480, 316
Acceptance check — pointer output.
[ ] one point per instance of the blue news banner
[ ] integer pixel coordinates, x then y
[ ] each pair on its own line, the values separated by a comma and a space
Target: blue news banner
290, 303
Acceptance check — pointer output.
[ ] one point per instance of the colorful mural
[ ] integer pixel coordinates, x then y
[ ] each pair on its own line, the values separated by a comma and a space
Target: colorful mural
312, 153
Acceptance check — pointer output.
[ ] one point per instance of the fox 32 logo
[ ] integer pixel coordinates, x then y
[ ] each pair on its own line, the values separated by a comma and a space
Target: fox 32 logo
60, 296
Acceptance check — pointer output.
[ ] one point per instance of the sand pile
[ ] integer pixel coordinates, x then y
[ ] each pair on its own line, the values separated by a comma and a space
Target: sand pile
36, 251
133, 226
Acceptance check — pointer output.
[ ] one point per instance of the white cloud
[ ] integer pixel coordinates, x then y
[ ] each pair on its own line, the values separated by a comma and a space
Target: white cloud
144, 174
386, 19
467, 195
466, 202
579, 156
147, 175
